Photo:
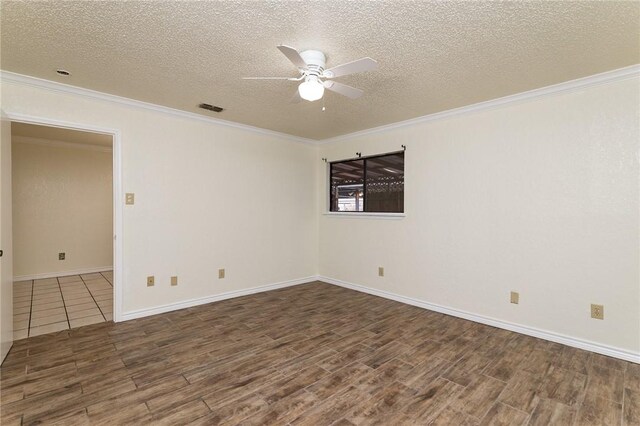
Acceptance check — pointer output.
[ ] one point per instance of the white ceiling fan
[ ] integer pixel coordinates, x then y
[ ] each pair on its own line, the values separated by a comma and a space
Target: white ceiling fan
310, 64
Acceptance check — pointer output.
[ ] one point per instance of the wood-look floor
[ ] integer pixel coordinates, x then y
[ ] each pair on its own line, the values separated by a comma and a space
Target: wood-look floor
314, 354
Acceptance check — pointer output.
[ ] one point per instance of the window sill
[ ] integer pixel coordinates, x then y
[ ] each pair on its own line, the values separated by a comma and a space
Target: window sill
367, 215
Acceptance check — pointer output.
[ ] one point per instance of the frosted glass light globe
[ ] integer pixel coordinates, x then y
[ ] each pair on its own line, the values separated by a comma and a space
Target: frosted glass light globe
311, 89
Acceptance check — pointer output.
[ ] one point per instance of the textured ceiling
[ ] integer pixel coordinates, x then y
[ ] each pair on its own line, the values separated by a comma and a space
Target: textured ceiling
61, 135
432, 56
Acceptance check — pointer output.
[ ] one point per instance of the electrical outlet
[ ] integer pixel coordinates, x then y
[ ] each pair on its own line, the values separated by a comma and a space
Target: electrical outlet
174, 280
151, 281
130, 198
221, 273
380, 271
61, 256
597, 311
515, 297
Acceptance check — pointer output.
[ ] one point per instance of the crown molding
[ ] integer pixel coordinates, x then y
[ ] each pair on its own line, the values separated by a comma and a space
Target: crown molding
11, 77
560, 88
28, 140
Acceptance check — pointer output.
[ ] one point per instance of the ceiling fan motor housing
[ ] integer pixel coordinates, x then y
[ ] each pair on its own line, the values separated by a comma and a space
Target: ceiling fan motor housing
315, 61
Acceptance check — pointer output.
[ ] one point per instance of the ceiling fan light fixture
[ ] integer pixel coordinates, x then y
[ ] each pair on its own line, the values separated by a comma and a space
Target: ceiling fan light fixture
311, 89
311, 68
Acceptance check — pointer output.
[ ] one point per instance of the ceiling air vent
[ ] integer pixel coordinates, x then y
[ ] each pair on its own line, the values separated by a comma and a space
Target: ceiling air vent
211, 107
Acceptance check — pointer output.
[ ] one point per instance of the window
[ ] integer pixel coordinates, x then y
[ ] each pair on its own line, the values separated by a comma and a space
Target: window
372, 184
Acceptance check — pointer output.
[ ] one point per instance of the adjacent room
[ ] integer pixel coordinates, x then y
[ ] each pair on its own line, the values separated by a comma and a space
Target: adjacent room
320, 213
62, 199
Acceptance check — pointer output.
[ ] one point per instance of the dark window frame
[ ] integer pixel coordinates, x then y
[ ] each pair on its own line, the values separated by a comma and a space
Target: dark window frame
364, 184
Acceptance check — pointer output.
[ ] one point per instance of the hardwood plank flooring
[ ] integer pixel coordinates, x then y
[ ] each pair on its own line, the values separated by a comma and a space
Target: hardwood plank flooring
313, 354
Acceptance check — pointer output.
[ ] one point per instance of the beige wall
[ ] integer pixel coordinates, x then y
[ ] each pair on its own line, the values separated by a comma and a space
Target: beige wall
62, 202
539, 197
6, 264
208, 196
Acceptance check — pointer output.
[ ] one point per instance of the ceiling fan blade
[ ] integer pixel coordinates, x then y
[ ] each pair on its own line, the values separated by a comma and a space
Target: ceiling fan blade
296, 99
293, 55
343, 89
360, 65
270, 78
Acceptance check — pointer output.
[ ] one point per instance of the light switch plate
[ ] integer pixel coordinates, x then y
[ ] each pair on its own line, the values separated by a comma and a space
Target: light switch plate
515, 297
221, 273
151, 281
174, 280
130, 198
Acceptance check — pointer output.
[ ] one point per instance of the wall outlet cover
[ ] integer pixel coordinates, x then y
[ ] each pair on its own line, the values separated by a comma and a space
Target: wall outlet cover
597, 311
62, 256
515, 297
220, 273
174, 280
380, 271
130, 198
151, 281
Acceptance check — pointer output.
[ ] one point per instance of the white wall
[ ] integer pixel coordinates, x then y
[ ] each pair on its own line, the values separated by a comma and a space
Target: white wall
6, 266
539, 197
207, 196
62, 202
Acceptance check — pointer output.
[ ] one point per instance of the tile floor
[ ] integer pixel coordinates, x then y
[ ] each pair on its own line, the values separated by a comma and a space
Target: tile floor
54, 304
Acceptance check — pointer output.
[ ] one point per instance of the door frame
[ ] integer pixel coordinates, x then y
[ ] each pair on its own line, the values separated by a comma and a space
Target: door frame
117, 192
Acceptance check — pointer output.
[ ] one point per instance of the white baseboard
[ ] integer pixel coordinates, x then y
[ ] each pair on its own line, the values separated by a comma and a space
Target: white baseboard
518, 328
214, 298
62, 273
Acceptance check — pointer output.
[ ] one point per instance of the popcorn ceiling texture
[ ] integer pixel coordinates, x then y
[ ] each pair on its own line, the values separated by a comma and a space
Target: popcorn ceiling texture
433, 56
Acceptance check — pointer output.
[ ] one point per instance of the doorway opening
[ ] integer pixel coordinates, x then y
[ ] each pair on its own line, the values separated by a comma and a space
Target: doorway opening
63, 228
